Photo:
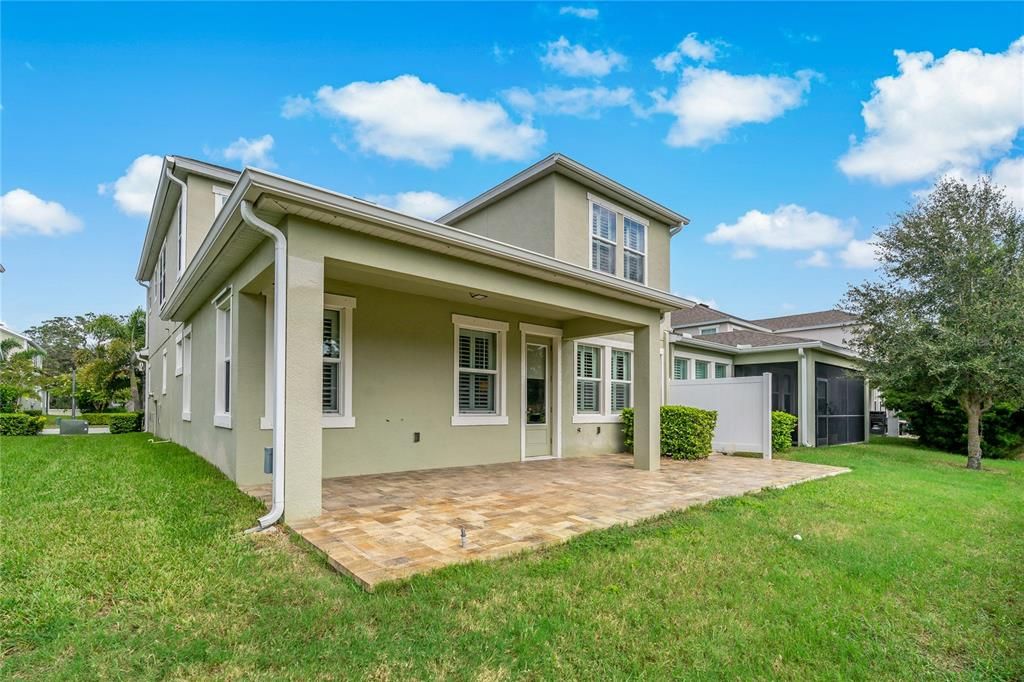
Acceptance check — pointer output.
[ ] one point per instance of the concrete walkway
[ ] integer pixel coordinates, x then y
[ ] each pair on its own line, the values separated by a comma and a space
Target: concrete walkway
390, 526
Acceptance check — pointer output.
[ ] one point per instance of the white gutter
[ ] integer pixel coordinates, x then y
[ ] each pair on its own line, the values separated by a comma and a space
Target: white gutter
183, 224
280, 339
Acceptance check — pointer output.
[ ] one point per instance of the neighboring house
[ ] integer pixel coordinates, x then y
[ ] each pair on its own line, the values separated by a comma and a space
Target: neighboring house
814, 375
357, 340
40, 400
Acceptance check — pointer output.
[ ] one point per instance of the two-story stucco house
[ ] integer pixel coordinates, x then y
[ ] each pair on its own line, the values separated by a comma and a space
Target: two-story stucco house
354, 339
40, 401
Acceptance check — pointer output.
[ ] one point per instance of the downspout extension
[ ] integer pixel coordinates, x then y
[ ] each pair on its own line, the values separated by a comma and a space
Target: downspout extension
280, 303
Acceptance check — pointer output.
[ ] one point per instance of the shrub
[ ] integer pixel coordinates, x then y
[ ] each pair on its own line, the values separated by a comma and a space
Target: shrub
18, 424
943, 426
126, 423
783, 425
34, 413
102, 418
9, 399
686, 432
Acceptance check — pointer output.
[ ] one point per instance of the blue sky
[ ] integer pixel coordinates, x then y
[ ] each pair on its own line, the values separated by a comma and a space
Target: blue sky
746, 118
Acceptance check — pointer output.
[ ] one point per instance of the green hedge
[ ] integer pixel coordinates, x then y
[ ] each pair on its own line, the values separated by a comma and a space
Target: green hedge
18, 424
783, 425
33, 413
102, 418
686, 432
126, 423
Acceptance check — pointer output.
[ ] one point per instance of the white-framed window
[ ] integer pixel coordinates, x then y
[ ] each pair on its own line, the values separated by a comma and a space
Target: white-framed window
181, 235
588, 379
222, 378
603, 238
480, 376
708, 330
336, 386
721, 371
186, 374
604, 380
220, 197
700, 369
163, 373
149, 382
178, 353
680, 369
634, 251
621, 378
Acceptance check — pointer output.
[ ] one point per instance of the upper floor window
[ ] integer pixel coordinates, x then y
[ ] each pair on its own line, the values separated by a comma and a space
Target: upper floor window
708, 330
603, 239
220, 197
161, 274
606, 219
634, 255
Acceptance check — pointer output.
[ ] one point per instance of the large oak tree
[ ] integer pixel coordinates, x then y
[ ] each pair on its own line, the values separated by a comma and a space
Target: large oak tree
945, 317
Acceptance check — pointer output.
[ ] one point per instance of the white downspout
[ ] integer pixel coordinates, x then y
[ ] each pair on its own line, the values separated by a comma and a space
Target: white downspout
280, 339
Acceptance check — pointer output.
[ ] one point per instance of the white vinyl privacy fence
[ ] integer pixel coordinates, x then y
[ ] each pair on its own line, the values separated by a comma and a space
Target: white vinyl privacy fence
744, 406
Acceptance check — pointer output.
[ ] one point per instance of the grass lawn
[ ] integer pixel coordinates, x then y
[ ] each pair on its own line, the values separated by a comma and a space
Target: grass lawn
122, 558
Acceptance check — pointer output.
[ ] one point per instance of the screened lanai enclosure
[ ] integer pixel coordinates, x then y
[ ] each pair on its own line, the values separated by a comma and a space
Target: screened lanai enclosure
838, 405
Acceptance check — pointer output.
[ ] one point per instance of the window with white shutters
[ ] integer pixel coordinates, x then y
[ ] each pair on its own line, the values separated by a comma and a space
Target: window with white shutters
603, 239
588, 379
721, 371
330, 398
621, 380
680, 367
222, 378
634, 253
700, 369
478, 371
479, 387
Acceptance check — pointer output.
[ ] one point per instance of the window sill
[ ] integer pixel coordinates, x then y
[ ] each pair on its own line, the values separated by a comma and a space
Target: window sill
337, 422
480, 420
186, 416
597, 419
222, 421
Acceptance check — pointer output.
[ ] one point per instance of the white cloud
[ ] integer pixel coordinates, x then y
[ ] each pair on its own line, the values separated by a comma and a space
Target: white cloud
818, 259
691, 48
860, 253
580, 12
744, 253
405, 118
295, 106
582, 102
22, 212
133, 192
501, 54
788, 227
709, 102
576, 60
254, 152
936, 115
1009, 173
427, 205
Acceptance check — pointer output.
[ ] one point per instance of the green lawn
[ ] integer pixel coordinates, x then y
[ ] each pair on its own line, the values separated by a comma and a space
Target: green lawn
123, 558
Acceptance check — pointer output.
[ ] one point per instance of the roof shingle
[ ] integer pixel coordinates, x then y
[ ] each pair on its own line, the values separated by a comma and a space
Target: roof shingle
803, 320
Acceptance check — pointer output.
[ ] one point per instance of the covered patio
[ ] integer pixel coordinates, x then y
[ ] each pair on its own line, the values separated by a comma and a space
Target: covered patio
385, 527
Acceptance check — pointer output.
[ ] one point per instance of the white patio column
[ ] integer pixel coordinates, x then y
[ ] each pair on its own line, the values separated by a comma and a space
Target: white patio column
303, 465
647, 398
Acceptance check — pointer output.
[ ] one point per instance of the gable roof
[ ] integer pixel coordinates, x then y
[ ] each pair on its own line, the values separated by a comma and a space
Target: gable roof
703, 314
561, 163
821, 318
279, 194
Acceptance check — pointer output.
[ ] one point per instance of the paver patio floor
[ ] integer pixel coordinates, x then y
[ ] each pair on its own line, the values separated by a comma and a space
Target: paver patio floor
390, 526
